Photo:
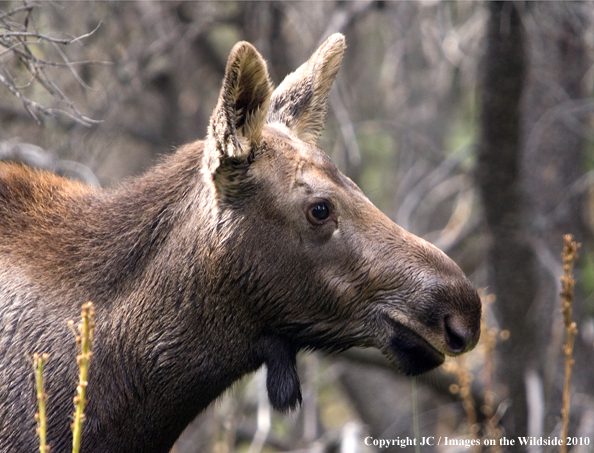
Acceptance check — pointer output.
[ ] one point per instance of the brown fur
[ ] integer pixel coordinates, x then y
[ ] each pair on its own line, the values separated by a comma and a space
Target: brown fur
209, 266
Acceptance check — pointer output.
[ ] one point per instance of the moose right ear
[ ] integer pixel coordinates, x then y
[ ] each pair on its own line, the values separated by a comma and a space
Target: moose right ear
237, 120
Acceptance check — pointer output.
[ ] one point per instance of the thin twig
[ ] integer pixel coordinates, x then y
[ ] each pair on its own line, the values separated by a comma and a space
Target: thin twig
71, 68
28, 34
15, 11
569, 257
40, 61
32, 107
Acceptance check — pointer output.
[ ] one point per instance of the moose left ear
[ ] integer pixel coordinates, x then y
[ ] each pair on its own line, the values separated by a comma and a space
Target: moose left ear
301, 101
237, 120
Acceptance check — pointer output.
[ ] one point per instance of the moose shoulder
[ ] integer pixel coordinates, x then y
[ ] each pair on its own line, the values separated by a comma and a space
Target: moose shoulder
234, 252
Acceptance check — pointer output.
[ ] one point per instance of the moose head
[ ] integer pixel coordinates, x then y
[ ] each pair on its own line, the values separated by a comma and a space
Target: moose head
236, 251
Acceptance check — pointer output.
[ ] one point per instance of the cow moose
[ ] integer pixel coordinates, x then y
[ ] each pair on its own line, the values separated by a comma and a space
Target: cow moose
234, 252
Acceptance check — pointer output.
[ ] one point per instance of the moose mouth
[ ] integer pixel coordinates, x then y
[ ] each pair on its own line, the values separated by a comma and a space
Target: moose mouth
411, 353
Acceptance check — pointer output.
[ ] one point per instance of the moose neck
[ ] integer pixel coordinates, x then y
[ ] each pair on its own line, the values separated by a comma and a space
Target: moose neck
127, 231
167, 342
179, 301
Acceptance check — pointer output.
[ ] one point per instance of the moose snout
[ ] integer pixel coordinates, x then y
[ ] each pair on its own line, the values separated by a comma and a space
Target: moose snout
459, 337
454, 314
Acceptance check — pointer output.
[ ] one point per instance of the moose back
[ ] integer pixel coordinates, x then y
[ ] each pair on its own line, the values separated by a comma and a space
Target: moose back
236, 251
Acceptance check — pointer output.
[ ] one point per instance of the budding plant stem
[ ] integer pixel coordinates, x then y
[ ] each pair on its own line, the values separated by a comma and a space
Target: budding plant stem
40, 417
84, 339
569, 257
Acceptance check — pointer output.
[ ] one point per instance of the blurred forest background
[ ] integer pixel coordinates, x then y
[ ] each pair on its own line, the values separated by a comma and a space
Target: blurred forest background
468, 123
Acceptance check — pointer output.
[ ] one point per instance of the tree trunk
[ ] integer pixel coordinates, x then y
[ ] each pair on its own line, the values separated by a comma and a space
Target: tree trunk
511, 258
554, 112
530, 157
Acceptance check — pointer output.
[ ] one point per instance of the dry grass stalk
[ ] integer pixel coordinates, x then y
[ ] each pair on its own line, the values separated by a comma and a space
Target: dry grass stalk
85, 340
40, 417
569, 257
464, 376
489, 338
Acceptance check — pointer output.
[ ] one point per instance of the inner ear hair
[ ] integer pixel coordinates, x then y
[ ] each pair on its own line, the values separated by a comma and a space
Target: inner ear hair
237, 120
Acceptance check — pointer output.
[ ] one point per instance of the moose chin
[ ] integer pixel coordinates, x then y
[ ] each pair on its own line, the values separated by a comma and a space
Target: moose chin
236, 251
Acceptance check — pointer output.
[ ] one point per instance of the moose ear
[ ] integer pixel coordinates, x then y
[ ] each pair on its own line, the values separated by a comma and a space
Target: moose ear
237, 120
301, 101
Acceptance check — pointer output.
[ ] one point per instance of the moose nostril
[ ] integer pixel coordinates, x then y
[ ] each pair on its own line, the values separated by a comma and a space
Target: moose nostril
455, 338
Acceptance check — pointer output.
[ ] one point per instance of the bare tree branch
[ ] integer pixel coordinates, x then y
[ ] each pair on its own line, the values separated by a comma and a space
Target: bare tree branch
18, 55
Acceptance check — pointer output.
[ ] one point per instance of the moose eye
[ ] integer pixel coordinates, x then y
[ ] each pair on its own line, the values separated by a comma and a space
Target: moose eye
319, 212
